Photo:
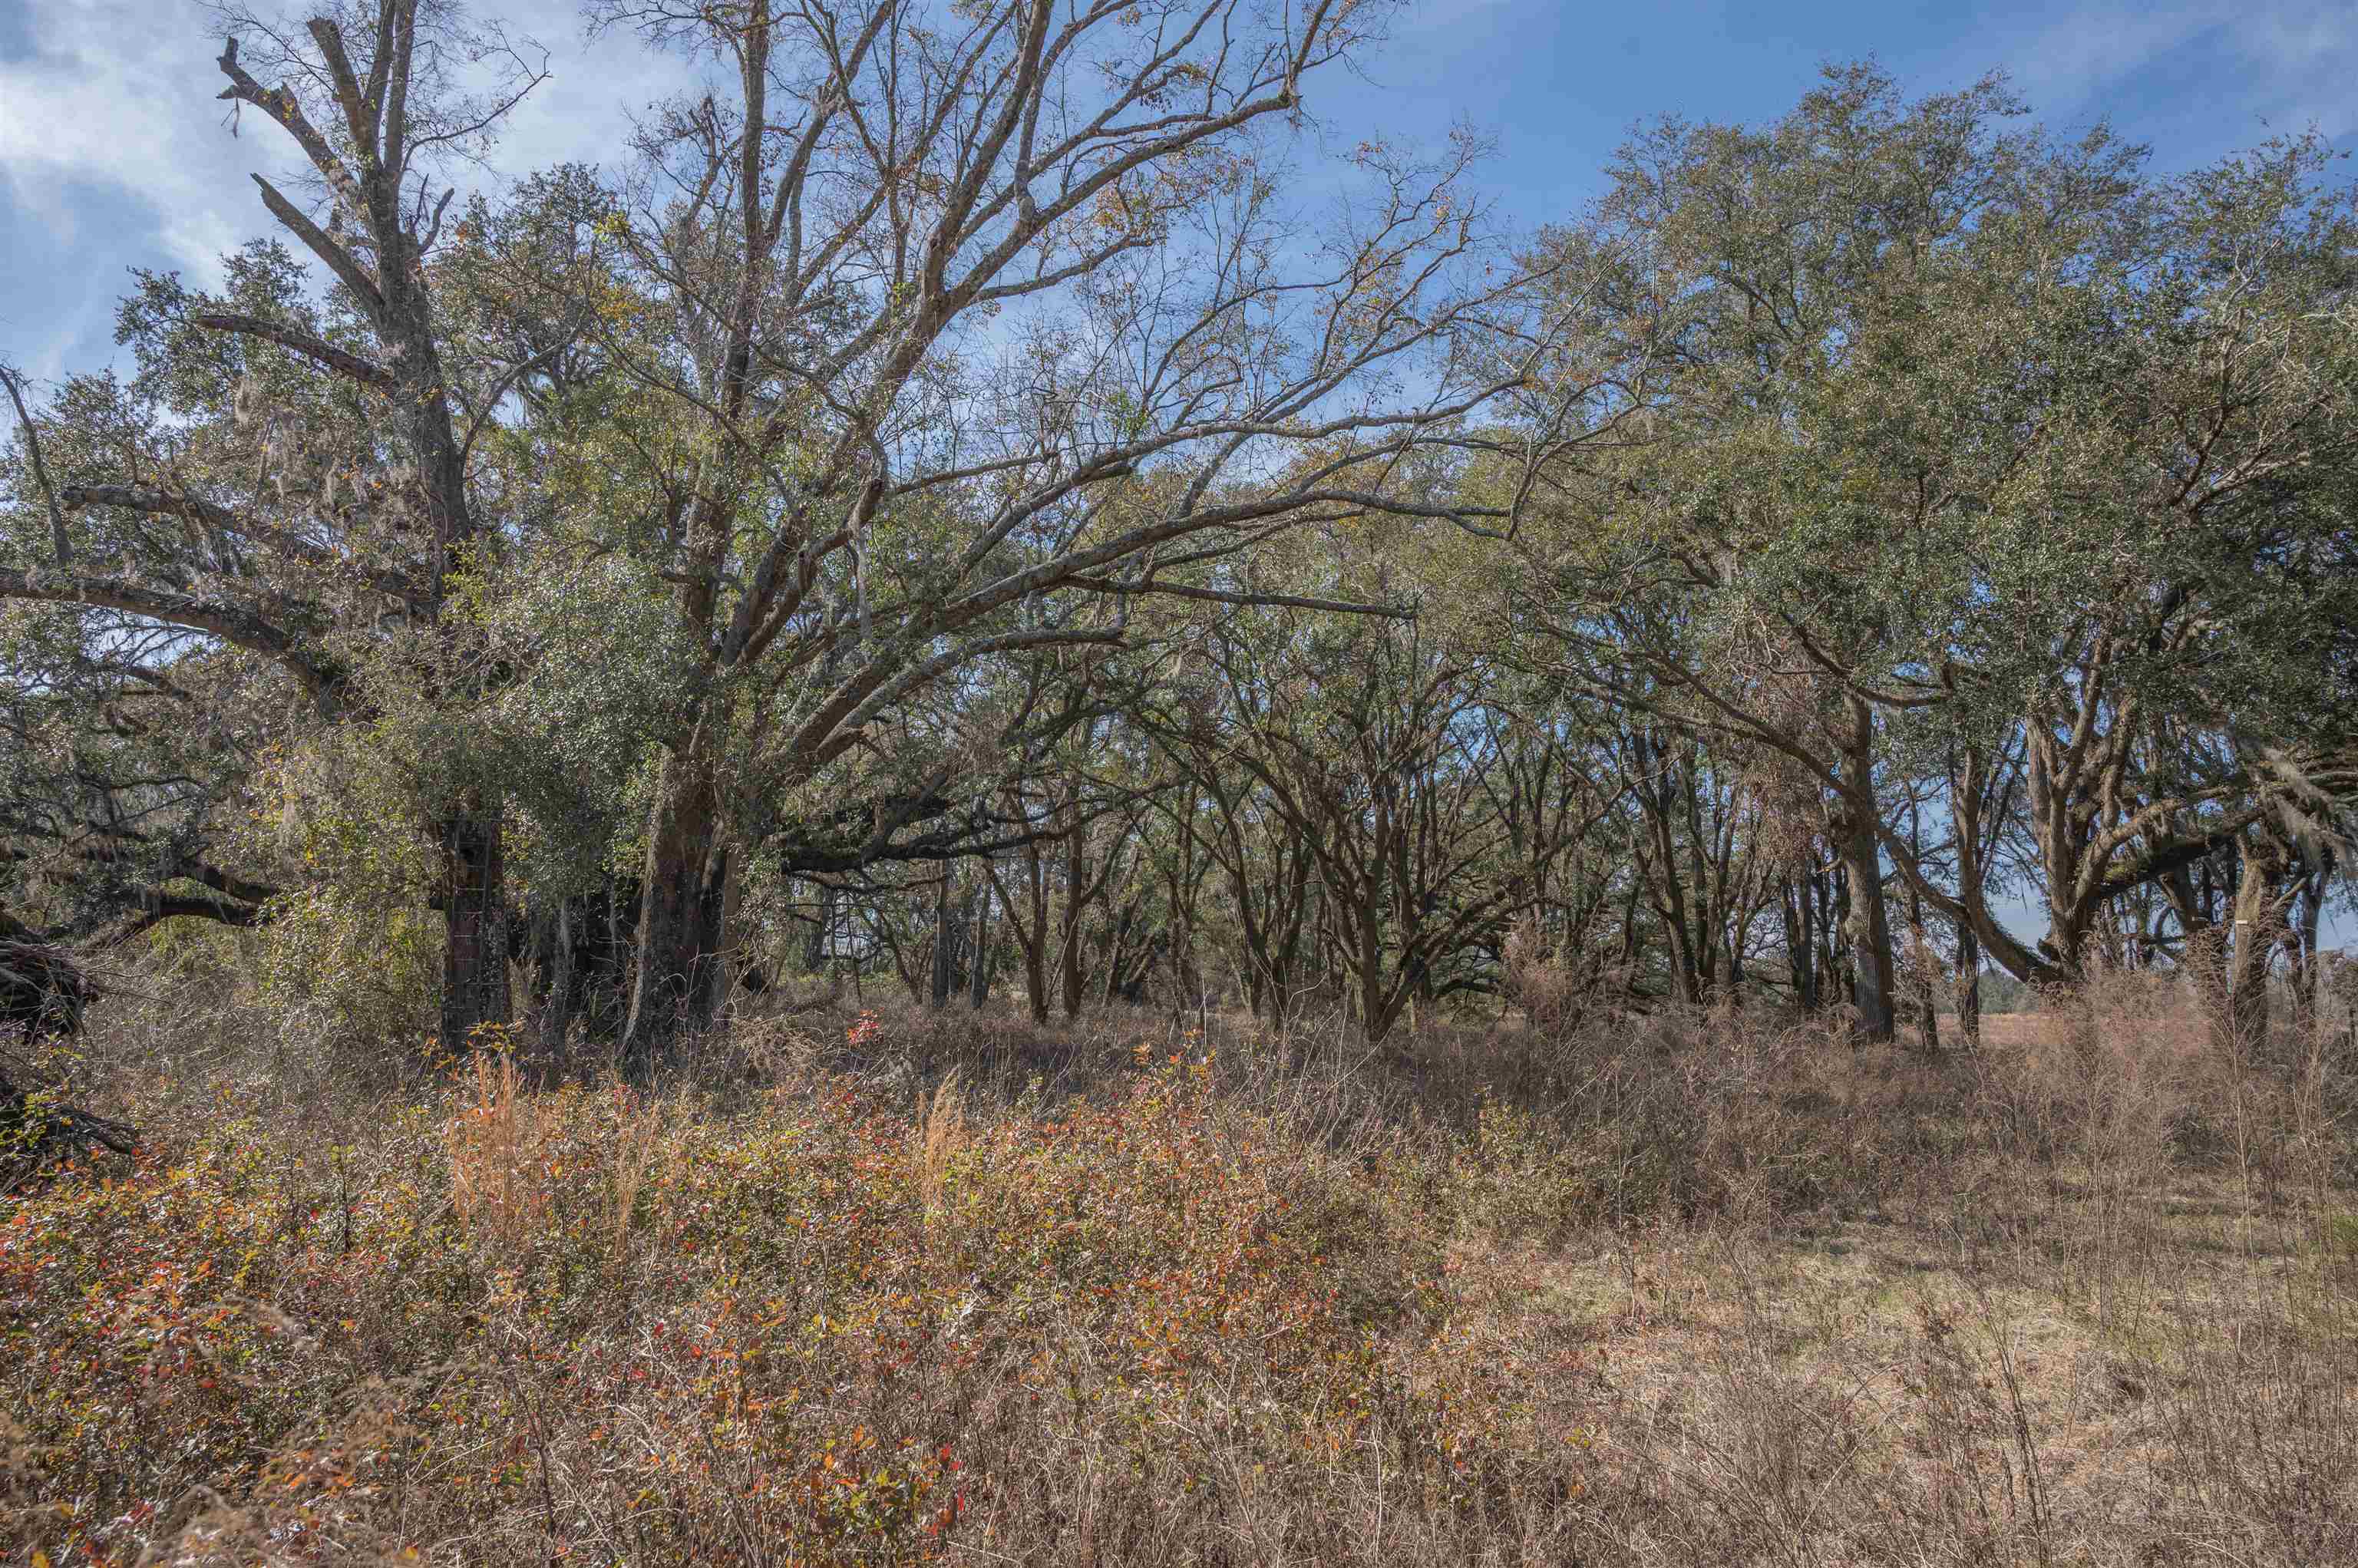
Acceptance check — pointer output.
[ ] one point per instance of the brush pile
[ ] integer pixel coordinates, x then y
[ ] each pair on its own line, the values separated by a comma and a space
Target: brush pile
44, 991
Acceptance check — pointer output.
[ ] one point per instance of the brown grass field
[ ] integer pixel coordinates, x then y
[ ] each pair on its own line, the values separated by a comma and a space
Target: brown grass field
942, 1288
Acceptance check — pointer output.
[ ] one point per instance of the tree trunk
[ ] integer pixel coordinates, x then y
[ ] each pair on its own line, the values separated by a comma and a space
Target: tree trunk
1369, 962
2247, 985
557, 957
977, 986
1068, 952
1834, 922
475, 940
686, 878
1870, 922
1968, 986
1283, 962
729, 959
1114, 955
945, 944
1800, 954
1035, 949
1869, 930
1031, 929
2259, 922
1922, 962
1967, 795
1925, 999
2309, 977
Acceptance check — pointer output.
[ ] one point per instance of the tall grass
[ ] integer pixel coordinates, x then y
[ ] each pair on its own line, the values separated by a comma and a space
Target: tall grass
917, 1288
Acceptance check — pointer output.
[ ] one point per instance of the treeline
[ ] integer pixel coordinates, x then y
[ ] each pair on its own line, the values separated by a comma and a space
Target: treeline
943, 511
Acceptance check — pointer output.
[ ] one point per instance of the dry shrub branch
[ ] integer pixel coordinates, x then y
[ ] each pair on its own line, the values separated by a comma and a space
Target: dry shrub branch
1704, 1287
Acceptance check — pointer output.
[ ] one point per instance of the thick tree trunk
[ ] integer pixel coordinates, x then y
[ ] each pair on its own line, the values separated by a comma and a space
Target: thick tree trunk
1035, 981
1924, 995
2248, 985
1834, 922
2309, 975
2203, 955
1869, 930
682, 903
475, 940
1870, 921
2260, 925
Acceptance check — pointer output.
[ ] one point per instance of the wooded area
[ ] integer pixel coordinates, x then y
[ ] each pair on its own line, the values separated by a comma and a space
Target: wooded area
987, 810
940, 511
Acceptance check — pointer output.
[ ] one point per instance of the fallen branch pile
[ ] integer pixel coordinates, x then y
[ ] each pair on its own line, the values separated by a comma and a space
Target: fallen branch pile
44, 991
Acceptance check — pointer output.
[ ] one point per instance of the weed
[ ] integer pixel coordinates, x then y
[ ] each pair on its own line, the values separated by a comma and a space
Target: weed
1712, 1287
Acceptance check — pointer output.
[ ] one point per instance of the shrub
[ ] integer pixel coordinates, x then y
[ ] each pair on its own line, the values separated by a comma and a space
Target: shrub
788, 1331
942, 1287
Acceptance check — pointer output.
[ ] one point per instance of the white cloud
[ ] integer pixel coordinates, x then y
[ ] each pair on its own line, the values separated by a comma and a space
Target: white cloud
115, 150
2307, 55
582, 113
2079, 54
108, 98
2289, 62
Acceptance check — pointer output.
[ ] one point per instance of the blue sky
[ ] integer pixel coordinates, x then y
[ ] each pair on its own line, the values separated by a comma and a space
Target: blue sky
113, 153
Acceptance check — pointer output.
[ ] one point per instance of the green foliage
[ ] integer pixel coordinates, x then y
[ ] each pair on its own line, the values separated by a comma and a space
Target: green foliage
344, 972
1832, 461
596, 660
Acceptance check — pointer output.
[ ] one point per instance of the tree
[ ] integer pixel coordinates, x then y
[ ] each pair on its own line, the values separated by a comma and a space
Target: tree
326, 493
1379, 753
1968, 431
976, 322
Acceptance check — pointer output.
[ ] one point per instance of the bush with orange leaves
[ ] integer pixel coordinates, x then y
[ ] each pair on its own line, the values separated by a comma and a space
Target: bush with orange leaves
814, 1329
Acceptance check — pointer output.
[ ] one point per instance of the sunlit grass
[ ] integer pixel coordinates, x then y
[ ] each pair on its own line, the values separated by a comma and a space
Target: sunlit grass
1637, 1296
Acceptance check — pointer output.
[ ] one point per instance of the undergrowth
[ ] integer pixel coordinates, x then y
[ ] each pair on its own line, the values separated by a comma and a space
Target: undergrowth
940, 1288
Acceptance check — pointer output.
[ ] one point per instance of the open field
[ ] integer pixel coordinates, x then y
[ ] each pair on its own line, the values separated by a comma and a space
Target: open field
1710, 1289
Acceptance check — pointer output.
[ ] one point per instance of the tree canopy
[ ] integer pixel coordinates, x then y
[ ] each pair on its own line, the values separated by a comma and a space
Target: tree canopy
943, 503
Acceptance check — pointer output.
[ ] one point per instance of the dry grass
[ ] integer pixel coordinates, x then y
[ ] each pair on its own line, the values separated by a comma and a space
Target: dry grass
948, 1289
